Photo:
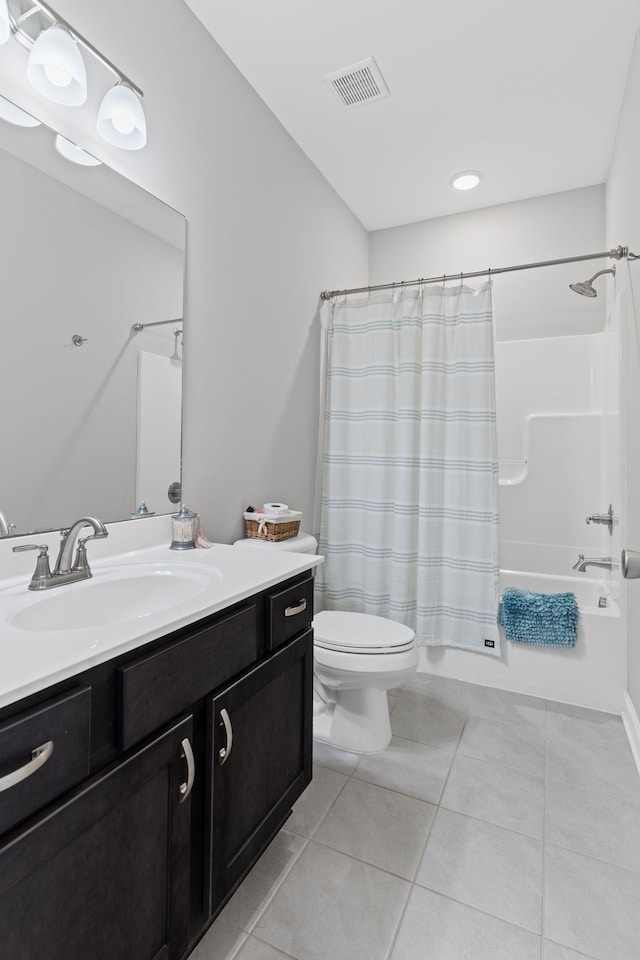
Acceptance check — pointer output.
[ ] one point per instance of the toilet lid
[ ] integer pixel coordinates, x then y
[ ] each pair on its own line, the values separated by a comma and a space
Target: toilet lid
360, 633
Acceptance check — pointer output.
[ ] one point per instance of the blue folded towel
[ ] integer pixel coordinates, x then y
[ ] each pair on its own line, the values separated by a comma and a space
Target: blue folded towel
548, 619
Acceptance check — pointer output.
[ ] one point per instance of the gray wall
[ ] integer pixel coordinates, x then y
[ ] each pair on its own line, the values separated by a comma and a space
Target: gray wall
532, 303
265, 233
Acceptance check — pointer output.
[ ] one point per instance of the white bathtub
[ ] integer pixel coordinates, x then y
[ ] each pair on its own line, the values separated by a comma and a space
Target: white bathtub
595, 597
591, 674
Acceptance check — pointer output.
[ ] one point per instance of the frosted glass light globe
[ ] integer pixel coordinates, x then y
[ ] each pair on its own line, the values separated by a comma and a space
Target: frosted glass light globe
56, 75
13, 114
121, 119
56, 69
71, 151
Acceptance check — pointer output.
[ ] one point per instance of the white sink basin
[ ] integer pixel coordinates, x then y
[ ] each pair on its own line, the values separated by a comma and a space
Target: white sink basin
118, 594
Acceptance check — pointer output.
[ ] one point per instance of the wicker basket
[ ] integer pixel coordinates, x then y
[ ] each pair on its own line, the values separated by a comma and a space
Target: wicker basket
257, 527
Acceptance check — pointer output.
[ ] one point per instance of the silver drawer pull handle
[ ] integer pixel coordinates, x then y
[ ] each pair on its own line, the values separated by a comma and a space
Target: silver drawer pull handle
185, 788
223, 752
39, 756
300, 606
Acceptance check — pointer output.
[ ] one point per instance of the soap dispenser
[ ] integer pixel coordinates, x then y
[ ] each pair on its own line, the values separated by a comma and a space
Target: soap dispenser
184, 525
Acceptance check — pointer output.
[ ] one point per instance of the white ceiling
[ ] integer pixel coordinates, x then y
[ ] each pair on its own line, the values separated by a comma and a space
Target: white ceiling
528, 93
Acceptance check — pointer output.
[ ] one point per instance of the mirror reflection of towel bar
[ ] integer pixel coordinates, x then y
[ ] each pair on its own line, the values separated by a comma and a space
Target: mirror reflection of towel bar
155, 323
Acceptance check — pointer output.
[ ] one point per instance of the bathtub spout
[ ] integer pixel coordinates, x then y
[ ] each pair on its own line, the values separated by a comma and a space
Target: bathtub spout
582, 563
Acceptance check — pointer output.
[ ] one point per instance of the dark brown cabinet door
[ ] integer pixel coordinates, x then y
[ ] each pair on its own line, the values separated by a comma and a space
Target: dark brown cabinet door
104, 875
259, 761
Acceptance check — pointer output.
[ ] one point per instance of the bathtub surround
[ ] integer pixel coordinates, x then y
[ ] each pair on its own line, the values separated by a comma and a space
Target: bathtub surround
409, 523
557, 410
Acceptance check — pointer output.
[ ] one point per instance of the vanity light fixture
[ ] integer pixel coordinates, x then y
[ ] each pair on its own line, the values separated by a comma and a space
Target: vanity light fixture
465, 180
56, 69
13, 114
5, 25
71, 151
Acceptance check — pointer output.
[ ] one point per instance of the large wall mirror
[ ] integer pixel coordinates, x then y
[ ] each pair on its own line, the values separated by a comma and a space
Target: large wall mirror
90, 407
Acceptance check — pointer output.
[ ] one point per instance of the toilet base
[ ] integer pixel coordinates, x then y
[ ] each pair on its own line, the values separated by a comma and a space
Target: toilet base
358, 720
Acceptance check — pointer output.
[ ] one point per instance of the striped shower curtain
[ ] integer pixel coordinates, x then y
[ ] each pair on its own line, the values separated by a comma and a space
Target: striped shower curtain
409, 509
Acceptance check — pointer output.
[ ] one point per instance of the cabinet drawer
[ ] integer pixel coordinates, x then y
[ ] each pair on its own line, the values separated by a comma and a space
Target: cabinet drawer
43, 752
155, 688
289, 612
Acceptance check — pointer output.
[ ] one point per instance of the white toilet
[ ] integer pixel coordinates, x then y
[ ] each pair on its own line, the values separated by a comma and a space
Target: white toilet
357, 658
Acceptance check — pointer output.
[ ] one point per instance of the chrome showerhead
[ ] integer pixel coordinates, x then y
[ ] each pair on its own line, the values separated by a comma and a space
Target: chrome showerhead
585, 287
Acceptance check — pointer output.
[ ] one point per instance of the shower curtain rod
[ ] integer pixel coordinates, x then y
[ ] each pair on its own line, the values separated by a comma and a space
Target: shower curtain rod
618, 253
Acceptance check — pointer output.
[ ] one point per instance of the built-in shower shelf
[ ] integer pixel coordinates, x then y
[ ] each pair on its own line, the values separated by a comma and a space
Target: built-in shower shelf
511, 471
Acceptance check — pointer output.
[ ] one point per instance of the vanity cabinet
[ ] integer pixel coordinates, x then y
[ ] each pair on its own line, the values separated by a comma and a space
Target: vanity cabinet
175, 765
103, 875
258, 761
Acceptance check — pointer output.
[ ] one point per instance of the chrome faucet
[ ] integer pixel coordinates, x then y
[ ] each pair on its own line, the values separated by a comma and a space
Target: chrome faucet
69, 537
64, 572
581, 565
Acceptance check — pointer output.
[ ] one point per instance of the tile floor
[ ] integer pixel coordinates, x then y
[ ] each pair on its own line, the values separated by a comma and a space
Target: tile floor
494, 827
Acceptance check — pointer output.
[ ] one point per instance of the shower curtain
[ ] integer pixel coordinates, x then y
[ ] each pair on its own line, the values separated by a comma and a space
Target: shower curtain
409, 508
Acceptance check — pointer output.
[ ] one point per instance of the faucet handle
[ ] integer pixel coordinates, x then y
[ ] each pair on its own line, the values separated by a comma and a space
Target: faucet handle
42, 575
43, 548
81, 564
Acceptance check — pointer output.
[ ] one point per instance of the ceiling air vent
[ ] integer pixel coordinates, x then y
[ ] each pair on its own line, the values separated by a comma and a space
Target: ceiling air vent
362, 82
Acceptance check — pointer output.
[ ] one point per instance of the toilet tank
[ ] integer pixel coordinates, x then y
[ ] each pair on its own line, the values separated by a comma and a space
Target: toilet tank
303, 543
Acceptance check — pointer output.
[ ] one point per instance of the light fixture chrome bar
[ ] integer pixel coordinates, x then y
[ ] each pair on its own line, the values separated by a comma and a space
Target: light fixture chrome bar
28, 41
25, 16
21, 35
618, 253
155, 323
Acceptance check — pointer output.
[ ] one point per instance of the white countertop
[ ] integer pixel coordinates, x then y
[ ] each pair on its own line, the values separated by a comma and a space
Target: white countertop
32, 660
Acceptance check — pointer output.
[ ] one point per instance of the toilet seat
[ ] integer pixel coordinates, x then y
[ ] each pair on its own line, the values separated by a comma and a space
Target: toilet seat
360, 633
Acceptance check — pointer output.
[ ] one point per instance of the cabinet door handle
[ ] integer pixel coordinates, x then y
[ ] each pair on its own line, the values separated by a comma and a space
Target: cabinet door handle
185, 788
39, 756
298, 608
223, 752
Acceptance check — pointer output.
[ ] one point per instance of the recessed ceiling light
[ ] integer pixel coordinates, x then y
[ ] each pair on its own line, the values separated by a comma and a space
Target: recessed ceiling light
465, 180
